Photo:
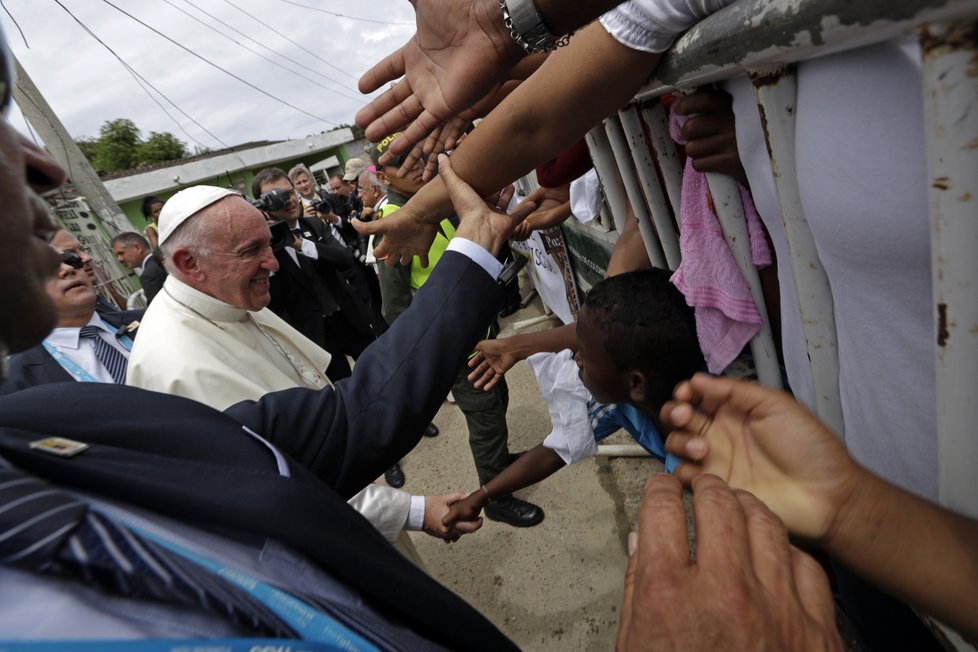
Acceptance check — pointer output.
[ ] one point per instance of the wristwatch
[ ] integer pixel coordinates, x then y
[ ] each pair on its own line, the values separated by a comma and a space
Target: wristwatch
525, 25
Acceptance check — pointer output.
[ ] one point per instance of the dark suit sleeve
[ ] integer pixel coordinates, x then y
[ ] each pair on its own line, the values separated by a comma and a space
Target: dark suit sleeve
331, 253
349, 435
31, 368
152, 279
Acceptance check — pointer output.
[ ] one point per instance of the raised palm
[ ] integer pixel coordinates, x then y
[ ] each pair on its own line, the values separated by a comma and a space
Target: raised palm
459, 55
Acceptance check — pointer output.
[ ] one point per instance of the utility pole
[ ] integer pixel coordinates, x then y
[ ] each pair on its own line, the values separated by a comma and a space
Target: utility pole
64, 149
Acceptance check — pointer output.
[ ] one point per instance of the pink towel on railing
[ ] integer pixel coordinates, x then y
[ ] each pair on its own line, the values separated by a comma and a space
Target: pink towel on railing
708, 276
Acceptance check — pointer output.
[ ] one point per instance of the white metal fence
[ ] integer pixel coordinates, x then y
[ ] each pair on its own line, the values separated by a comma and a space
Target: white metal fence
763, 40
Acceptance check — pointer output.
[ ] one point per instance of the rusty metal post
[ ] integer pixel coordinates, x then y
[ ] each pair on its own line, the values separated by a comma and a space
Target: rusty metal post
667, 152
604, 165
653, 244
776, 91
661, 208
730, 212
951, 113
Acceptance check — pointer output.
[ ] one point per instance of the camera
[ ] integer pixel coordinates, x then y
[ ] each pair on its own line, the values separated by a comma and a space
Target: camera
336, 203
282, 235
274, 200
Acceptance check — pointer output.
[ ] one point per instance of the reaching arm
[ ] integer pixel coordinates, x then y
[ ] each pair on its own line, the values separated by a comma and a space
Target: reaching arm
495, 357
533, 466
573, 90
766, 443
461, 52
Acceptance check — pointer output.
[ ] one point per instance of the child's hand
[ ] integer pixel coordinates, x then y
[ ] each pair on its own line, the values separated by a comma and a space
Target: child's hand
467, 509
490, 363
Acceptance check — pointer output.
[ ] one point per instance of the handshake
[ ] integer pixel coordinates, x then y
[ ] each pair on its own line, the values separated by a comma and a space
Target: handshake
450, 516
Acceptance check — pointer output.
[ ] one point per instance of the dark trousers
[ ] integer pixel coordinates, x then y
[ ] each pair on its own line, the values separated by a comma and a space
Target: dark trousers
363, 280
342, 339
485, 415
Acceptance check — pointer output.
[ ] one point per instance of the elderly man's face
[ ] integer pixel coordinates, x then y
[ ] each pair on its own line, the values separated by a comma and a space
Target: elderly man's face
369, 194
68, 244
290, 212
26, 260
239, 262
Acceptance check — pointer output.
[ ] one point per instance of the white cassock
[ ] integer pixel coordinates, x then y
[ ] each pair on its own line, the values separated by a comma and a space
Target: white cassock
193, 345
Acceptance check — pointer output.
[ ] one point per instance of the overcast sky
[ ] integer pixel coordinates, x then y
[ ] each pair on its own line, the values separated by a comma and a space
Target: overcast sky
86, 85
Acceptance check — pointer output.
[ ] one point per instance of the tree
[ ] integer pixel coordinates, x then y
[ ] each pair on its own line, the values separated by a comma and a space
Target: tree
87, 146
120, 147
115, 147
160, 147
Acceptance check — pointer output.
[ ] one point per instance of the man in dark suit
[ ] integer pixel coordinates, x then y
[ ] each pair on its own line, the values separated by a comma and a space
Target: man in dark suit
69, 353
248, 499
133, 251
309, 291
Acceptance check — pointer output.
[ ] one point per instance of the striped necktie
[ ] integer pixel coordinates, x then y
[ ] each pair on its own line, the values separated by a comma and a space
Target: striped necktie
110, 357
44, 529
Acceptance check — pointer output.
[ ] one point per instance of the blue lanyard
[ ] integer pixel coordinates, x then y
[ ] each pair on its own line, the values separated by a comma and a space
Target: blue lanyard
311, 624
73, 368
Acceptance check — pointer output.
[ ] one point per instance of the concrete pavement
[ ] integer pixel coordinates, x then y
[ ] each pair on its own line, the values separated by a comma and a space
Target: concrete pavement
556, 586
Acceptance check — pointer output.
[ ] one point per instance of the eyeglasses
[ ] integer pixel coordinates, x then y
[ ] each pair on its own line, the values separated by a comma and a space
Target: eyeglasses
72, 259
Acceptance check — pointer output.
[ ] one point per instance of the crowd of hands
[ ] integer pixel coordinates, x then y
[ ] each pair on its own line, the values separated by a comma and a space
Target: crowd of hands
767, 477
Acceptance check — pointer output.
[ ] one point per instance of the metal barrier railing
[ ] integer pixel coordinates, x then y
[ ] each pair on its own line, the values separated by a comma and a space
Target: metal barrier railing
764, 39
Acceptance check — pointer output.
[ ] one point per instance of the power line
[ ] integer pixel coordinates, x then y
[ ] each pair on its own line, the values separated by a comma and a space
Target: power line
298, 45
333, 13
140, 80
224, 70
2, 4
255, 52
287, 58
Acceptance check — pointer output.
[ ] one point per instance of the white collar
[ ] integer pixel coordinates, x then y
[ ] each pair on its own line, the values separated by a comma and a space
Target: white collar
142, 267
202, 304
67, 337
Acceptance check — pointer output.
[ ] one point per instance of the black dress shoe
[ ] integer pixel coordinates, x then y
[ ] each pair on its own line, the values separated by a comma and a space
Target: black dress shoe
431, 431
514, 511
509, 309
394, 476
514, 456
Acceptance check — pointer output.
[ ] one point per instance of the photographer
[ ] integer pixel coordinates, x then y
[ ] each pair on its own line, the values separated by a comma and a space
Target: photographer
310, 290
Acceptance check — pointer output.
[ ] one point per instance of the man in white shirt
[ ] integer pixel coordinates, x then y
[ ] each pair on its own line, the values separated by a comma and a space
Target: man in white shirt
86, 345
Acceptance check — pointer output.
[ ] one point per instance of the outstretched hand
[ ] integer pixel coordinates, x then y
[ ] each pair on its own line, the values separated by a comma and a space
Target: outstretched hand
748, 588
764, 442
436, 510
492, 360
459, 55
407, 233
